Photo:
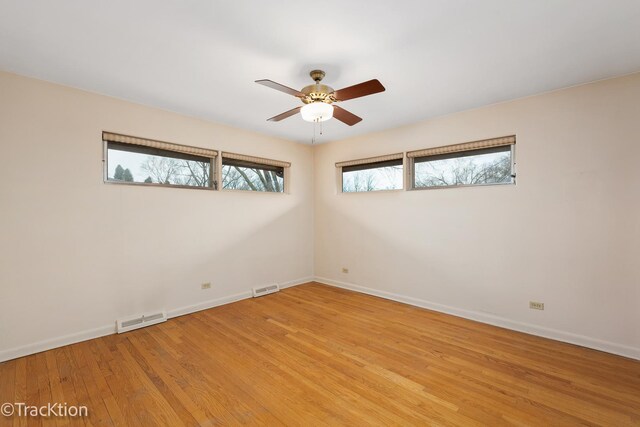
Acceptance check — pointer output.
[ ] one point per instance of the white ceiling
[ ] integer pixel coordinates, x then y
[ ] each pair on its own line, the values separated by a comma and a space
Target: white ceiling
201, 57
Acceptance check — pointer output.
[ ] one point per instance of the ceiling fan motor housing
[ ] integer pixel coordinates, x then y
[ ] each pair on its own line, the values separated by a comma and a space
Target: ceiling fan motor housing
318, 92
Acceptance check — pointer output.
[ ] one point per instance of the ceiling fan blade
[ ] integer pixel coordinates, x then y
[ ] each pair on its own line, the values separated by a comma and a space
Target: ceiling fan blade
345, 116
284, 115
359, 90
281, 88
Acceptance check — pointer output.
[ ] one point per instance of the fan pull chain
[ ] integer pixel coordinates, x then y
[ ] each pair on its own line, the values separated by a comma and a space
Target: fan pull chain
313, 140
315, 124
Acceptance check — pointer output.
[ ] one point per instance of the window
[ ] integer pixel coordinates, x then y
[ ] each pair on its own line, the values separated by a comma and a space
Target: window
385, 175
371, 174
240, 172
486, 162
144, 165
133, 160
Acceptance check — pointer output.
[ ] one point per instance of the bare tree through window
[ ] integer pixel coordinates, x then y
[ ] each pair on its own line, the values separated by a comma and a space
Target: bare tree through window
152, 166
372, 176
167, 170
478, 167
240, 175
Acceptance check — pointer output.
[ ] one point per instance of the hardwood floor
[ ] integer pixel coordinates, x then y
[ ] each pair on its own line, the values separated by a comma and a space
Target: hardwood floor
317, 355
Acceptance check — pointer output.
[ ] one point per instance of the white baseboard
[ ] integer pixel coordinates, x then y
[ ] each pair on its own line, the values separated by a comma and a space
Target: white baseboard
297, 282
207, 304
37, 347
228, 299
563, 336
568, 337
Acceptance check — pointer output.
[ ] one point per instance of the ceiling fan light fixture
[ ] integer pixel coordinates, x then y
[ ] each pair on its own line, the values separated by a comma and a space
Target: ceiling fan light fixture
316, 112
317, 99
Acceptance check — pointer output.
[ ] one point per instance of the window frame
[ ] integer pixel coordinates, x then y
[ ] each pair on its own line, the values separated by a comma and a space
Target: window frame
213, 180
364, 164
259, 165
411, 176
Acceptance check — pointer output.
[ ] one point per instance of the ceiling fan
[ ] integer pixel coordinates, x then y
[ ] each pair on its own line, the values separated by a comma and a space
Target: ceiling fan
317, 99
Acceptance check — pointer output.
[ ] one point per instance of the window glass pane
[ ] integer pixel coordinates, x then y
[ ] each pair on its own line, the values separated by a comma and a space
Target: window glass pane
372, 177
138, 165
238, 175
478, 167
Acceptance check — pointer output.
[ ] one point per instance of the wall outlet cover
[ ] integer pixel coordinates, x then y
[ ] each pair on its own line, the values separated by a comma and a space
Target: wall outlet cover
536, 305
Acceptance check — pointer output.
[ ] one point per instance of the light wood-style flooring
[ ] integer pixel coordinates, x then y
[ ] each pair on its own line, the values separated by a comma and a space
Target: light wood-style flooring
316, 355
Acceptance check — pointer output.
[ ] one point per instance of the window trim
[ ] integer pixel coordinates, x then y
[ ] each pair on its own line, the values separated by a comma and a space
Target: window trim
411, 176
372, 165
105, 168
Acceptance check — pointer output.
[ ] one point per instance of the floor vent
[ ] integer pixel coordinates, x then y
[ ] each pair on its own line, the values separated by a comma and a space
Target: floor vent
265, 290
131, 323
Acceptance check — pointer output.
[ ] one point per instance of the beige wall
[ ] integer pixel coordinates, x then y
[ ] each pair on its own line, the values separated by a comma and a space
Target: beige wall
75, 254
568, 234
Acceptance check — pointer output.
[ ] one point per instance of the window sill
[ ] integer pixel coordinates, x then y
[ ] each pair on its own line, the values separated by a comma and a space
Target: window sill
442, 187
373, 191
225, 190
150, 184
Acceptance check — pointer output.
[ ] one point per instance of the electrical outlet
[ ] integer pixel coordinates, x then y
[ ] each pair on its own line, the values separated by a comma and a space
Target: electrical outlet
205, 285
345, 270
536, 305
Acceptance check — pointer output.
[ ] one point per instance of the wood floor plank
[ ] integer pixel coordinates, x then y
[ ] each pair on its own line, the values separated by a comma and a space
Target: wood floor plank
318, 355
434, 406
7, 389
32, 373
214, 382
308, 374
20, 391
44, 383
88, 391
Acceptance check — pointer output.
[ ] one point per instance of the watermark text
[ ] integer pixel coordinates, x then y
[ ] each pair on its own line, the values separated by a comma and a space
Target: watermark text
21, 409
